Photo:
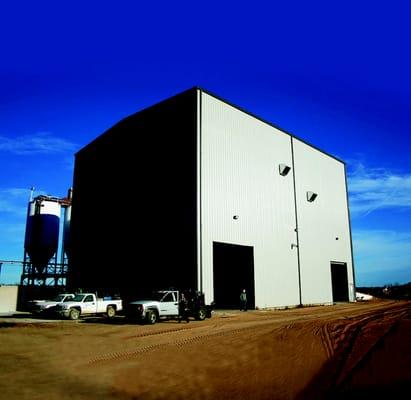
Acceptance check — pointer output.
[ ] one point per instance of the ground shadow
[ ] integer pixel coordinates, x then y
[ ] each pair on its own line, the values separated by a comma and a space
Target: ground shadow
382, 372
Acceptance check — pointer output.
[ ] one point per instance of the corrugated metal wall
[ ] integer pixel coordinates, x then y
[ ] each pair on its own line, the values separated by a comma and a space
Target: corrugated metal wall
323, 225
209, 162
239, 173
240, 157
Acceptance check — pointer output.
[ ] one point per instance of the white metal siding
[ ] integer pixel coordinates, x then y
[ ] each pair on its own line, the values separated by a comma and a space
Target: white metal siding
239, 161
320, 222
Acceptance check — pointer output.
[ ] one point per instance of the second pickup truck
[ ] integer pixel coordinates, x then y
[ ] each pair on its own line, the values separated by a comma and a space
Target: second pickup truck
88, 304
164, 304
48, 306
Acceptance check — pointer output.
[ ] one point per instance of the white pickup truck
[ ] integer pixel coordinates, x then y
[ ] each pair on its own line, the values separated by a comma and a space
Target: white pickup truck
88, 304
165, 304
47, 306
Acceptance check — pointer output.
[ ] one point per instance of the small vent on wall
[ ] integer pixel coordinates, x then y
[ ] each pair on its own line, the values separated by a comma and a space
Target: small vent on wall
311, 196
284, 169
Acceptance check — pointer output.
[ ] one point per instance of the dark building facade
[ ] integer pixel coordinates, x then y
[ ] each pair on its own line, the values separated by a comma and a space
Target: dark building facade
134, 203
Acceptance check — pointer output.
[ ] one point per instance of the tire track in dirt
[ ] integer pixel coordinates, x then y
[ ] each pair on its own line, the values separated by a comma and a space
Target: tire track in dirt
353, 353
332, 333
126, 354
327, 337
351, 340
326, 340
389, 324
335, 334
161, 332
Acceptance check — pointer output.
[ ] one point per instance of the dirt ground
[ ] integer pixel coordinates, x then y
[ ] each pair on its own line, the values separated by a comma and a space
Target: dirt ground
329, 352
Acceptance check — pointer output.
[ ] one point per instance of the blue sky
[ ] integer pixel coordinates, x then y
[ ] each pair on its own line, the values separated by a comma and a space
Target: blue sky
336, 74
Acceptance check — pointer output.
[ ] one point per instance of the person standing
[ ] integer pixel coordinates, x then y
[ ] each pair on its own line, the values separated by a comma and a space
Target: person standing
183, 309
243, 301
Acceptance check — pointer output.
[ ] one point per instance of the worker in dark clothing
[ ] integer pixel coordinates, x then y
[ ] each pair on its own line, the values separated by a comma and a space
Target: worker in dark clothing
183, 309
243, 301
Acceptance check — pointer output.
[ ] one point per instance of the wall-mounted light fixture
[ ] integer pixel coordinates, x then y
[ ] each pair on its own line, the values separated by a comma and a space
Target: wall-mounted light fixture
311, 196
284, 169
235, 217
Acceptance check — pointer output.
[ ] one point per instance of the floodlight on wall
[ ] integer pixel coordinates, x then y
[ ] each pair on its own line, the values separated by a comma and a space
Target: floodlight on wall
235, 217
311, 196
284, 169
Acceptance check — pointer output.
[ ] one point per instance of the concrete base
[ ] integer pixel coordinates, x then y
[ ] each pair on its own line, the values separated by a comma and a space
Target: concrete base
8, 298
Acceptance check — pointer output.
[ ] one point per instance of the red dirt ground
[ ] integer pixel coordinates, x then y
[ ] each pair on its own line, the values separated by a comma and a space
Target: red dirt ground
330, 352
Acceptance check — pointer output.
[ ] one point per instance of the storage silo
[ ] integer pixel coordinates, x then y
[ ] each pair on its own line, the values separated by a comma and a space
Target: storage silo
42, 231
43, 276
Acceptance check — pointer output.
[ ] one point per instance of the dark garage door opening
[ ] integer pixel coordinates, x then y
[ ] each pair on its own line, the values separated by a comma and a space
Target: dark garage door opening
233, 267
339, 281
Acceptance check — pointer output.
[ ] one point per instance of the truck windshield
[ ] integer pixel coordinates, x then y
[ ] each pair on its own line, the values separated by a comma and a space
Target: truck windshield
163, 296
158, 295
59, 298
78, 297
168, 297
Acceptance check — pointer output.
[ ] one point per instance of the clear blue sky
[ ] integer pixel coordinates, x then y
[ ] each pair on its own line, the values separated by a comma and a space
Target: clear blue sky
336, 74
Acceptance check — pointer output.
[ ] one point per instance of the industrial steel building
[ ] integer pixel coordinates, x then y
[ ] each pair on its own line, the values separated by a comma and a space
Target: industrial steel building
194, 192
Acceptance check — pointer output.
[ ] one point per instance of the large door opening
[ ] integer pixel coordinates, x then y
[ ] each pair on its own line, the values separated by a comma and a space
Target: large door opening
233, 268
339, 280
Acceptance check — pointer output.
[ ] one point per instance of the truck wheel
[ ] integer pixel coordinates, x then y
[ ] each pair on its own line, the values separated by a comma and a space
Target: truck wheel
111, 312
201, 314
74, 314
151, 317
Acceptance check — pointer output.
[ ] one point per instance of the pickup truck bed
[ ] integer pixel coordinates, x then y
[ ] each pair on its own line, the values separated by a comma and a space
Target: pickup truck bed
89, 304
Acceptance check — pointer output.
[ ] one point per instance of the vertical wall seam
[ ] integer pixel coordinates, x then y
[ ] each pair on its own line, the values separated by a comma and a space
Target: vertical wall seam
199, 192
296, 224
349, 227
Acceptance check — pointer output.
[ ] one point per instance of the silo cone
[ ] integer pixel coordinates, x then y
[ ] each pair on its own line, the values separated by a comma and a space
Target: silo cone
42, 232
